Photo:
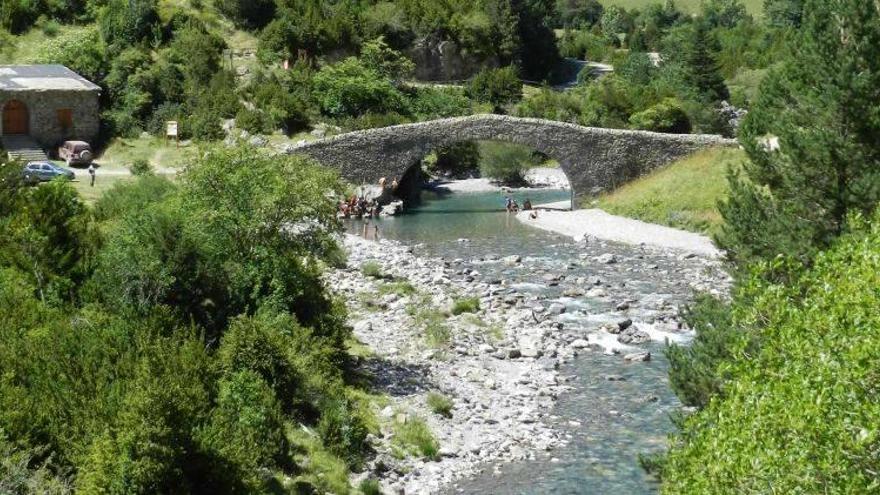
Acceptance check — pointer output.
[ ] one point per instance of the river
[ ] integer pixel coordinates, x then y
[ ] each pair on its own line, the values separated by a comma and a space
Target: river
616, 409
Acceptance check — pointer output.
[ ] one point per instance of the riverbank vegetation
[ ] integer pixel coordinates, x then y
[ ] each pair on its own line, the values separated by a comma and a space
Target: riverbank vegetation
683, 195
177, 336
782, 374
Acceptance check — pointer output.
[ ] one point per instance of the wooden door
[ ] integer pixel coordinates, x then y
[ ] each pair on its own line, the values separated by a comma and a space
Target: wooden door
15, 117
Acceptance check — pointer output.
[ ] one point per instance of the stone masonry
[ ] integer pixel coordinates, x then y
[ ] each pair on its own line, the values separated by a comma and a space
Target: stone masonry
46, 91
593, 159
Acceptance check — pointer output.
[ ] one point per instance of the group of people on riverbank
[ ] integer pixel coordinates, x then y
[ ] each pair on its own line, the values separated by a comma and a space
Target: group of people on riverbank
359, 207
513, 207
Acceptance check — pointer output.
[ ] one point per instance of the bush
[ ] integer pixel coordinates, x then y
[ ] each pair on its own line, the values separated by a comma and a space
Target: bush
372, 269
506, 163
343, 431
141, 167
440, 404
252, 121
128, 22
370, 486
413, 437
796, 414
666, 116
457, 160
465, 305
498, 87
351, 89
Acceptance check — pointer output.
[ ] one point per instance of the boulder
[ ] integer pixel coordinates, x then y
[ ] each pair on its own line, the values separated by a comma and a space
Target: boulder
638, 356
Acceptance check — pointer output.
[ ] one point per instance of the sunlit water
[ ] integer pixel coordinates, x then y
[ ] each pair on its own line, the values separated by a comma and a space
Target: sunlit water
609, 422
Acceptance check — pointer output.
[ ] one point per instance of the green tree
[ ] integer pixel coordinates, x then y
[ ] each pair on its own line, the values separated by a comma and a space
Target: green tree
128, 22
797, 414
784, 13
795, 200
351, 89
703, 72
666, 116
385, 61
724, 13
499, 87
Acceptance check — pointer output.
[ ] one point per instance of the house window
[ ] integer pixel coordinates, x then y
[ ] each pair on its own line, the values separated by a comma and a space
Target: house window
65, 118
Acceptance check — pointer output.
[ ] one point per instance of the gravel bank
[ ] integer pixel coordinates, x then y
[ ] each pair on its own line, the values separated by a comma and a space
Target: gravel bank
595, 223
498, 365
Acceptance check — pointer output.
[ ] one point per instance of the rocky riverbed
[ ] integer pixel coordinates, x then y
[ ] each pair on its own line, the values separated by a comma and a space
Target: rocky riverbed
499, 365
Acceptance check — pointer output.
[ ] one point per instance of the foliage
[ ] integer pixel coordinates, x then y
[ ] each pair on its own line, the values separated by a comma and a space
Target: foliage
440, 404
784, 12
351, 89
499, 87
666, 116
457, 160
725, 13
343, 431
795, 201
128, 22
465, 305
505, 162
385, 61
412, 436
583, 45
372, 269
798, 413
141, 167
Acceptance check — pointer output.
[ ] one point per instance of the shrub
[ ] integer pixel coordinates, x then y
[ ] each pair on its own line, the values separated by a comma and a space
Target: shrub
251, 120
506, 163
798, 413
343, 431
245, 428
141, 166
351, 89
666, 116
457, 160
412, 436
440, 404
465, 305
402, 288
370, 486
372, 269
498, 87
128, 22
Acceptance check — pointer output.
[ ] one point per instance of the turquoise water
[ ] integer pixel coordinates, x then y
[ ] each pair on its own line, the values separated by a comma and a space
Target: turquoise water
608, 423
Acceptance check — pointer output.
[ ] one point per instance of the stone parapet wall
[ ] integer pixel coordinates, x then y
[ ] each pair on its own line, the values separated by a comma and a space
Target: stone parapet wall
43, 107
593, 159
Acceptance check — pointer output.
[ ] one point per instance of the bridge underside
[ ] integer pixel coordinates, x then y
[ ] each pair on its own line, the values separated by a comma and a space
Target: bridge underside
593, 159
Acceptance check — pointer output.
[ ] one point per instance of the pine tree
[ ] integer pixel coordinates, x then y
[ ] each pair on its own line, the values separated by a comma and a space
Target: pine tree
704, 74
823, 105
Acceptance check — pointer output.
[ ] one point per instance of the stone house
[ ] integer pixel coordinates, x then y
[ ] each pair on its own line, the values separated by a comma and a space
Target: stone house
49, 103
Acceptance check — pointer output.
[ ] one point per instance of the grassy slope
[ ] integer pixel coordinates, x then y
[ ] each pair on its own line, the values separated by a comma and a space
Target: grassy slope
683, 195
754, 6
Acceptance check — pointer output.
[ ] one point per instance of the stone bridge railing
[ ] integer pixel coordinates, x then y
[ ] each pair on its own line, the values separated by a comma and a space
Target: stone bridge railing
593, 159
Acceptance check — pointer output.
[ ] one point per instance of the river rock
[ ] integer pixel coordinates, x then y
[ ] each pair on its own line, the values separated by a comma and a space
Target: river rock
638, 356
556, 309
580, 344
632, 335
607, 258
623, 325
512, 260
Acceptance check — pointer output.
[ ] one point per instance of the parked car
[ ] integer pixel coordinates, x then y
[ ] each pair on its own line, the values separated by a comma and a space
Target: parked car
44, 171
75, 153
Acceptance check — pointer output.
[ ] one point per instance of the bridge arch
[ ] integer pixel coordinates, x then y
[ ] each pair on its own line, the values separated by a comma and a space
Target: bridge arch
593, 159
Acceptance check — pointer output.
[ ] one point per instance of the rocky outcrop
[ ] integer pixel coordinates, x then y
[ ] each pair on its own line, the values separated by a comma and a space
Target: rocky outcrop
437, 59
593, 159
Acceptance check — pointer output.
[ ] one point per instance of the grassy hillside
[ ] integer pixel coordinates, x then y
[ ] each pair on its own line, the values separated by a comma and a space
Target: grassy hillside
683, 195
754, 6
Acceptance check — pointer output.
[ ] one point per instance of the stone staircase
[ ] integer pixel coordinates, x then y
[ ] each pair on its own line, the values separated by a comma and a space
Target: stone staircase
23, 148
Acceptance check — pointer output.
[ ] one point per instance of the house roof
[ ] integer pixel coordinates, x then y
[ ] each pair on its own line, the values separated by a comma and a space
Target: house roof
43, 78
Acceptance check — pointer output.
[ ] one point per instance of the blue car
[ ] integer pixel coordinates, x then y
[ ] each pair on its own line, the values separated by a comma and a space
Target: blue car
44, 171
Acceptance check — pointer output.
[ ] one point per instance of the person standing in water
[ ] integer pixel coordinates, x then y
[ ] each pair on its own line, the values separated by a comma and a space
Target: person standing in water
92, 174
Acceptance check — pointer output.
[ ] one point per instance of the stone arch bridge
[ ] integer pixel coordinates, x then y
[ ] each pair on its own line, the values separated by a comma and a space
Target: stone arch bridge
593, 159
